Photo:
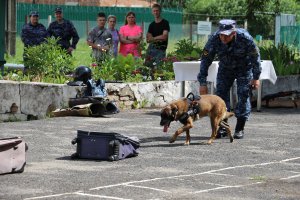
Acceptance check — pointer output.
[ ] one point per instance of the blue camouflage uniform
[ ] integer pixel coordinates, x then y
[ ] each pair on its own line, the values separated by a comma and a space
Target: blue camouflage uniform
240, 60
65, 31
33, 35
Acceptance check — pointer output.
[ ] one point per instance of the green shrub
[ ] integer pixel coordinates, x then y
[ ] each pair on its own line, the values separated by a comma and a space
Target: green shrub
285, 59
185, 49
121, 68
47, 60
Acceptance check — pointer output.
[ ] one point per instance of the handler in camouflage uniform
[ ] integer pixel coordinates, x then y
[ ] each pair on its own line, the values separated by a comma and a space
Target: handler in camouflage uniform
65, 30
33, 33
239, 59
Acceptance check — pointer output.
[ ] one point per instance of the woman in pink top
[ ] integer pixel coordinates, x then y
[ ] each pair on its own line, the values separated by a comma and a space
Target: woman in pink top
130, 36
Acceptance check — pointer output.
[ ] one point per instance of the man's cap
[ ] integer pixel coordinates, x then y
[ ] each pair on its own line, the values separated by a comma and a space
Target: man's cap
33, 13
58, 9
226, 26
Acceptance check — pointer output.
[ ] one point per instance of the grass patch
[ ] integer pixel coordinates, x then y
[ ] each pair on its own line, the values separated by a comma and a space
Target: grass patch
81, 55
258, 178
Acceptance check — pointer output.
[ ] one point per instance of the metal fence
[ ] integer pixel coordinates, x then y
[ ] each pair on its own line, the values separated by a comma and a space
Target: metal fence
182, 25
290, 35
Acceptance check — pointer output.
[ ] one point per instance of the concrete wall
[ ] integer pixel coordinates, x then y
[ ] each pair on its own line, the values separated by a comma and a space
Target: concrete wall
28, 100
283, 84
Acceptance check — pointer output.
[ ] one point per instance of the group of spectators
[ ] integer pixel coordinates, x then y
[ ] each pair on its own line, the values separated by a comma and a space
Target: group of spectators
104, 40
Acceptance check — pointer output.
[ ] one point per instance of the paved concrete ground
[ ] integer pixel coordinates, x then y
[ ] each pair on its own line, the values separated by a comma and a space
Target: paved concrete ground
264, 165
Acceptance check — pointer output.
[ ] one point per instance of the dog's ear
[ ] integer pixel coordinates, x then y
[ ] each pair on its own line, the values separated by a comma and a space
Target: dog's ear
166, 109
174, 109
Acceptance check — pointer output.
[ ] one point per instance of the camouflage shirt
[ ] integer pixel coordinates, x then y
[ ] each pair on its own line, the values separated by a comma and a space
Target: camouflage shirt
33, 35
102, 37
241, 54
65, 31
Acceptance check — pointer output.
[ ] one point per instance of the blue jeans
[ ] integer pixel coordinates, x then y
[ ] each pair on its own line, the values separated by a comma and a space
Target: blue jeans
154, 56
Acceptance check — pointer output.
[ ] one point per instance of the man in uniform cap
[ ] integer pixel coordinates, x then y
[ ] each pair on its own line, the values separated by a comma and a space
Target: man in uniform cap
64, 30
239, 59
33, 33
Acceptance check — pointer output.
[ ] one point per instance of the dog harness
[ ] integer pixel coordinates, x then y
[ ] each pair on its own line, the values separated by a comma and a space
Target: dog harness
193, 108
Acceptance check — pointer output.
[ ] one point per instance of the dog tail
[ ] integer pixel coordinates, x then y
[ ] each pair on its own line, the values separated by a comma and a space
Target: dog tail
228, 115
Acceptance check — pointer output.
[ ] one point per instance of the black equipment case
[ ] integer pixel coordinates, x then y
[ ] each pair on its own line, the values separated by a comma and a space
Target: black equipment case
104, 146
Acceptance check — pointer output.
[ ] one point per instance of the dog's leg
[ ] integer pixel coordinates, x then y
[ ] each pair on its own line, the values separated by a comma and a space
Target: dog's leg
214, 128
228, 130
188, 138
185, 128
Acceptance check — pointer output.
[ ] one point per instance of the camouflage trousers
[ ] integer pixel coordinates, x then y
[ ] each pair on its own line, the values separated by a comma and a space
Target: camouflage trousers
225, 80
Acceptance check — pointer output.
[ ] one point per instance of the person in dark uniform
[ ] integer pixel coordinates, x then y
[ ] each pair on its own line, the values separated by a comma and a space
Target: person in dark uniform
239, 59
157, 37
33, 33
64, 30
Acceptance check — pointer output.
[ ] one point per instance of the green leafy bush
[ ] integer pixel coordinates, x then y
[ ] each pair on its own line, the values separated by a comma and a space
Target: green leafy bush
47, 60
286, 60
185, 49
49, 63
120, 68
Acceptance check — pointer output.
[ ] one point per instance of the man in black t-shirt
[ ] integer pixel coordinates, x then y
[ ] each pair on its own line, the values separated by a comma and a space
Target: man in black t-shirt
157, 37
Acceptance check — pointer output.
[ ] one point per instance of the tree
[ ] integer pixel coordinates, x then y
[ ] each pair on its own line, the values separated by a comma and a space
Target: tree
260, 14
172, 3
256, 24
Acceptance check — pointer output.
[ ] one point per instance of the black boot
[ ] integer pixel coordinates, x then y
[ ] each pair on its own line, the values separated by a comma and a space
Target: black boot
239, 128
222, 131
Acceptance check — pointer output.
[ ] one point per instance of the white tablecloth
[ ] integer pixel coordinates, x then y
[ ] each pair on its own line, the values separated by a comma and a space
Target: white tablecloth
188, 71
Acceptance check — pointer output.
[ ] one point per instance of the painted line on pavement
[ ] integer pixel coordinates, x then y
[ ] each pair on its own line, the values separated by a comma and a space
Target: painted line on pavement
290, 177
99, 196
225, 187
150, 188
181, 176
221, 174
196, 174
54, 195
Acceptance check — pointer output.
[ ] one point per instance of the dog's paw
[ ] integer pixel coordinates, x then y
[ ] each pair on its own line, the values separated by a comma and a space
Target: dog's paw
209, 142
186, 144
171, 141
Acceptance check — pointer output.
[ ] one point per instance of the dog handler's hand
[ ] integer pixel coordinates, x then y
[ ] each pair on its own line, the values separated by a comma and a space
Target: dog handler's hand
255, 84
203, 90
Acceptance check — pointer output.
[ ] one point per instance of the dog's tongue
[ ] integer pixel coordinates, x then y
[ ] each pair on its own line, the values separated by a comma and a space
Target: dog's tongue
166, 128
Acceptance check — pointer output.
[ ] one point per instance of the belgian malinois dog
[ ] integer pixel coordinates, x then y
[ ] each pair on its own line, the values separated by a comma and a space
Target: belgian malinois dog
208, 105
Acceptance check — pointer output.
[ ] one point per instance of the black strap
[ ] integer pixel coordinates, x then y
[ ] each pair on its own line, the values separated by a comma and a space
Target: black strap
99, 35
191, 96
